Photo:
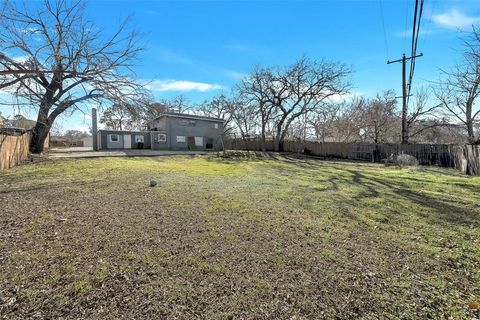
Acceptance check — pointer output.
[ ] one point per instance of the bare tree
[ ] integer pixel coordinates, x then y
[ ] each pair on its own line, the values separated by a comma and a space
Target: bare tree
377, 117
154, 109
302, 88
73, 63
323, 121
220, 107
123, 116
459, 91
253, 90
178, 104
282, 95
244, 118
422, 116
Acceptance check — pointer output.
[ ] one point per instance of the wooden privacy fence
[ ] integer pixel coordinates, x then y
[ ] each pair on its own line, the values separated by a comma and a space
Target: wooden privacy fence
464, 157
14, 148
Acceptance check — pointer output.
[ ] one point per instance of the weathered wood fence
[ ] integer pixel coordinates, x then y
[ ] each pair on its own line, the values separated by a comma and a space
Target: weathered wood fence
464, 157
14, 149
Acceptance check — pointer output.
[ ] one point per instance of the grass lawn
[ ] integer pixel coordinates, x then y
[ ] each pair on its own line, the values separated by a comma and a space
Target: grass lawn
241, 237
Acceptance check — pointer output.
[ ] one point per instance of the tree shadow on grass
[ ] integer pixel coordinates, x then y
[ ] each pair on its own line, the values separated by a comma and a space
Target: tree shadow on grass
45, 186
232, 157
374, 186
443, 211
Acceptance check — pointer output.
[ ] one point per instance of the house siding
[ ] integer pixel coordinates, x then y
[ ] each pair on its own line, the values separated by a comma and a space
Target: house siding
105, 143
177, 126
193, 128
195, 131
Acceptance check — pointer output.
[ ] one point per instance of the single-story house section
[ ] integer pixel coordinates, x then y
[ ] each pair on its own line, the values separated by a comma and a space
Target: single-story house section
169, 131
114, 139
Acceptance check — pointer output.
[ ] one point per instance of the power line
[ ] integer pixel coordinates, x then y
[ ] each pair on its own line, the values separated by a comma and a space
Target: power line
412, 54
415, 35
414, 29
406, 86
384, 30
406, 19
429, 22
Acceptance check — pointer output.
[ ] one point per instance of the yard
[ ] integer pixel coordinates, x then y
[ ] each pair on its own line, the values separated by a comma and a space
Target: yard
244, 237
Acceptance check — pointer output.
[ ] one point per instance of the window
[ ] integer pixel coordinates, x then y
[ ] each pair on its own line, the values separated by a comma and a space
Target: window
180, 138
139, 139
161, 137
114, 138
215, 125
199, 141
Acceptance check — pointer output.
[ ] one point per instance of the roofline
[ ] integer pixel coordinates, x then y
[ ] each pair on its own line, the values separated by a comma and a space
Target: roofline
134, 131
187, 116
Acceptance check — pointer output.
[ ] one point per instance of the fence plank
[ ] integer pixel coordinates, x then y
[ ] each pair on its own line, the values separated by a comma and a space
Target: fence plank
14, 149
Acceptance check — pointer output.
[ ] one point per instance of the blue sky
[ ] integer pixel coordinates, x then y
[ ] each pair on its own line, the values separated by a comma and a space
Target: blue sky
201, 48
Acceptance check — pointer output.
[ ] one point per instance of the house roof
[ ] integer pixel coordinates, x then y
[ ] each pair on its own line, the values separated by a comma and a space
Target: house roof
186, 116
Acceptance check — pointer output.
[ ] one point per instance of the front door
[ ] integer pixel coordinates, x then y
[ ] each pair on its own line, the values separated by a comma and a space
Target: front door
191, 143
127, 141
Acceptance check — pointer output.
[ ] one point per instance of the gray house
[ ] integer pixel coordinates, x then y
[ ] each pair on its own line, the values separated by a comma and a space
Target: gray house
114, 139
169, 131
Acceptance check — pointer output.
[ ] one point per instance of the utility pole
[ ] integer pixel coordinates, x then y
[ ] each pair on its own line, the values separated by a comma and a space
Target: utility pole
403, 60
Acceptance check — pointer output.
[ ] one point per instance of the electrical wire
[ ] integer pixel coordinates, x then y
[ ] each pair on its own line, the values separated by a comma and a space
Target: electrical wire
412, 52
406, 31
384, 30
415, 36
429, 22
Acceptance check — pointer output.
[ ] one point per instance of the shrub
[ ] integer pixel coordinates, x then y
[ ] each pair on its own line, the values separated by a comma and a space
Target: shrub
405, 160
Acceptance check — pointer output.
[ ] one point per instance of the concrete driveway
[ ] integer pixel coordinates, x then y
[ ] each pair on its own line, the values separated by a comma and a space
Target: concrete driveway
83, 152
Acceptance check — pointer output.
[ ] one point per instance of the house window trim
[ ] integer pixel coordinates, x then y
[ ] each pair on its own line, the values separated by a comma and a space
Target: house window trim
116, 135
139, 136
160, 140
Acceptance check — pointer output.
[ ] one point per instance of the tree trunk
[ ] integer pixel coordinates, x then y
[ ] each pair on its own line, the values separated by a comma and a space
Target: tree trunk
39, 135
406, 137
470, 131
263, 135
276, 141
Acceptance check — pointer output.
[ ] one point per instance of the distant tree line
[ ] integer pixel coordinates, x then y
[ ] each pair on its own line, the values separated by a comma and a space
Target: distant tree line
312, 100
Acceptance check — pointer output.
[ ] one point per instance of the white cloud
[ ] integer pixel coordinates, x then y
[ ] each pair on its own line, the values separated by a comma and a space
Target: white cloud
454, 19
181, 85
20, 59
343, 97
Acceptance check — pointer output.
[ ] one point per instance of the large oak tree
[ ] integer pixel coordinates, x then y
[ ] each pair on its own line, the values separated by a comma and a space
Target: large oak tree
65, 61
284, 94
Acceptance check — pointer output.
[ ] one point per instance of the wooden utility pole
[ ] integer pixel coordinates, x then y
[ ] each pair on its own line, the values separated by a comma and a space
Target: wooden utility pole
403, 60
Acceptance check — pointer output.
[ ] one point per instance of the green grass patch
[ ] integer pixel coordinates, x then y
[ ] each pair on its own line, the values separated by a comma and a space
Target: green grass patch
245, 235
